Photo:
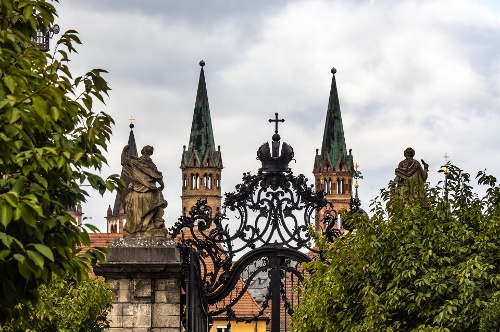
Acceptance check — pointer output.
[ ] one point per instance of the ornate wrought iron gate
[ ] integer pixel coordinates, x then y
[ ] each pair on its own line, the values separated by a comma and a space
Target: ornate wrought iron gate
266, 222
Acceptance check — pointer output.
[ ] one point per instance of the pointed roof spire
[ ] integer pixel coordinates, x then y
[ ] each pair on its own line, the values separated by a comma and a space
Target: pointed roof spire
201, 139
333, 147
132, 152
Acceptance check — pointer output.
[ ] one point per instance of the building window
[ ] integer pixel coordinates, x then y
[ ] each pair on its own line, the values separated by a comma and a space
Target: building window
222, 329
207, 181
184, 182
195, 178
340, 186
217, 181
328, 186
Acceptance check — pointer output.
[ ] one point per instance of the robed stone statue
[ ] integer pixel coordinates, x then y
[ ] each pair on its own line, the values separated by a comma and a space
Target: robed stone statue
145, 203
410, 175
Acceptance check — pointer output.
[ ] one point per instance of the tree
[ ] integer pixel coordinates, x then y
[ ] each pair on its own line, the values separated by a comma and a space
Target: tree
428, 262
68, 305
51, 141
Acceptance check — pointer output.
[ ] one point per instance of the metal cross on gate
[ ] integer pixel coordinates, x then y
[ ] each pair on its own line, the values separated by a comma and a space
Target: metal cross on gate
276, 120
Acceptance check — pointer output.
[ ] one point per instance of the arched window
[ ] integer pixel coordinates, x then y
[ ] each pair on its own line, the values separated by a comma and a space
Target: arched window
217, 181
328, 186
207, 181
340, 186
193, 179
184, 181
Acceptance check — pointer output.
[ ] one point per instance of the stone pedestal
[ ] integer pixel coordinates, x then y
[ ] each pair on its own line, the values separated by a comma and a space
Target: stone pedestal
144, 274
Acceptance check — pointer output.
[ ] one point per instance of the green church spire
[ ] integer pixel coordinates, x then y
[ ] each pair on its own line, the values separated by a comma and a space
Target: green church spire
333, 148
201, 150
132, 152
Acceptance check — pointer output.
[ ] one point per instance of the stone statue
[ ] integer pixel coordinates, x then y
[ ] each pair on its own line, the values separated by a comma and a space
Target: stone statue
145, 203
410, 172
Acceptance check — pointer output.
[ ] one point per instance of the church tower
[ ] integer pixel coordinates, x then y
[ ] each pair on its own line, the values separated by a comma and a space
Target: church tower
333, 166
116, 216
201, 163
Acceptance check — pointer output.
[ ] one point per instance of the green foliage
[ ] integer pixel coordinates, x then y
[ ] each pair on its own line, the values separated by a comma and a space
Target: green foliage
51, 141
425, 263
66, 305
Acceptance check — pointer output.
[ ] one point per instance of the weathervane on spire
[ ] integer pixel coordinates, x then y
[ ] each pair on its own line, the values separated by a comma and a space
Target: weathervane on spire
357, 175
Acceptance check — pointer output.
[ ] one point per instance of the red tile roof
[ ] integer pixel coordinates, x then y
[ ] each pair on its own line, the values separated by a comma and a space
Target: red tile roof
101, 240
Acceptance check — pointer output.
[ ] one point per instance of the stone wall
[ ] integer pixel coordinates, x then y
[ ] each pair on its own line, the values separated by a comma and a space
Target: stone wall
144, 274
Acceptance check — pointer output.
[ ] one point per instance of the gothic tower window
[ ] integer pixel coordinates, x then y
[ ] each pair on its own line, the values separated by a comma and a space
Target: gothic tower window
340, 186
328, 186
195, 181
217, 181
207, 181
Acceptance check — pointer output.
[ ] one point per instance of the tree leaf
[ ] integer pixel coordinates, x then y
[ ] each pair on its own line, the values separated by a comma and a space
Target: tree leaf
36, 258
11, 198
44, 250
10, 83
4, 253
6, 214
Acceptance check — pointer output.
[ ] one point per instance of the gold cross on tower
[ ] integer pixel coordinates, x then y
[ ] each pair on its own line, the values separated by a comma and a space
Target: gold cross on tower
131, 119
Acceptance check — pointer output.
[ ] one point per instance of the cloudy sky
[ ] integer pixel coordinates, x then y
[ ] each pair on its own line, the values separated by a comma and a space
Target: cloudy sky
424, 74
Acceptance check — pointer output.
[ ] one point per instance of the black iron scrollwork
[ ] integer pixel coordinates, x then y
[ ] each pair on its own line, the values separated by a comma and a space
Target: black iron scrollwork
265, 222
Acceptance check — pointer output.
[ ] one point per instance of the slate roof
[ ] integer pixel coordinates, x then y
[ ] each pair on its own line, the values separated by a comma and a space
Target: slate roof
201, 139
333, 148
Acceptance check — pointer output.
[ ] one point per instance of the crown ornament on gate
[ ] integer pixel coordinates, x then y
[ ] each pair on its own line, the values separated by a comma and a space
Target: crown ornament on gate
272, 160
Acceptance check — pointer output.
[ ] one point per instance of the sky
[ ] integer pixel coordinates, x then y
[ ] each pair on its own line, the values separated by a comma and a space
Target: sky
424, 74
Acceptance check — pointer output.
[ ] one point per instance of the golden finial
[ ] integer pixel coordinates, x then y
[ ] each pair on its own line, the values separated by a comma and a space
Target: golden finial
356, 166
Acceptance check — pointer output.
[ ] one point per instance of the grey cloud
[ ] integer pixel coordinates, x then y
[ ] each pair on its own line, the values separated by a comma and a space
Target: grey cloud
433, 86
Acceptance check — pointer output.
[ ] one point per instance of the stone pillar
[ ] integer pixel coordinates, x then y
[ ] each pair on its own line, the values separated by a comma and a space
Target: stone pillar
144, 273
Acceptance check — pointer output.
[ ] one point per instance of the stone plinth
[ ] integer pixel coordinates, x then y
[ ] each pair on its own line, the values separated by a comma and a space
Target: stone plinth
144, 273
